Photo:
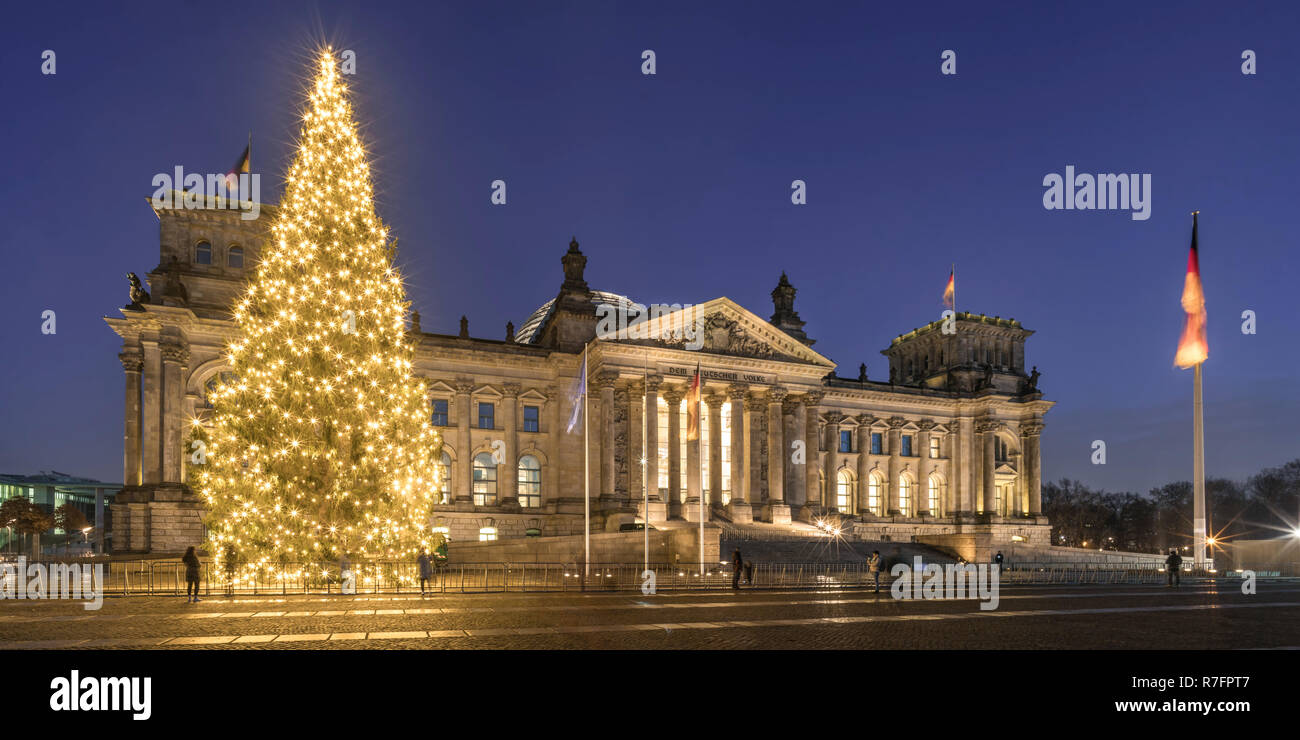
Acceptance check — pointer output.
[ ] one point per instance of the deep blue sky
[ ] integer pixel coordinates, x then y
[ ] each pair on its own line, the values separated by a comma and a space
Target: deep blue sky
677, 185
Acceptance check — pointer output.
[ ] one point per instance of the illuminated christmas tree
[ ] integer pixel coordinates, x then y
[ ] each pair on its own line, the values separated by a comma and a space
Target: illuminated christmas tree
321, 444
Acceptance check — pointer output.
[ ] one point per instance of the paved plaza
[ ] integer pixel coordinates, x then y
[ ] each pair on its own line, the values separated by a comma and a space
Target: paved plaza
1196, 616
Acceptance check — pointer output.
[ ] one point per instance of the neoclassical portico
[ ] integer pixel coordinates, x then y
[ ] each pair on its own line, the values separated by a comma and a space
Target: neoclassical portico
947, 445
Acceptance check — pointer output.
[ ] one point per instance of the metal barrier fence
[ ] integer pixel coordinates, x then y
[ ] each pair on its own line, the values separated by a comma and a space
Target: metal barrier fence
166, 577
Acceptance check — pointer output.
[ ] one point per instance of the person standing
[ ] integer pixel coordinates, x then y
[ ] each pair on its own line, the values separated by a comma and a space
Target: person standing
192, 566
426, 569
997, 560
231, 557
1174, 564
737, 564
873, 566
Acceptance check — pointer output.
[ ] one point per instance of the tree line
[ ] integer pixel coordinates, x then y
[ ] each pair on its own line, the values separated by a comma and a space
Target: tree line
1264, 506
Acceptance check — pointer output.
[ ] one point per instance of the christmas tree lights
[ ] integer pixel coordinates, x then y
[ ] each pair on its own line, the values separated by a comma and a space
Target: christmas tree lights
321, 445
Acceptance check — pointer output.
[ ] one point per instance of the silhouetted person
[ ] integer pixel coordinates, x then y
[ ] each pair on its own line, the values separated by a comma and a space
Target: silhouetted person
737, 565
1174, 564
997, 560
873, 566
426, 569
192, 567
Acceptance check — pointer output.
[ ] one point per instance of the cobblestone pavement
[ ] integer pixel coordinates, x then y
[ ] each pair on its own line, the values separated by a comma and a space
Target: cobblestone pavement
1130, 617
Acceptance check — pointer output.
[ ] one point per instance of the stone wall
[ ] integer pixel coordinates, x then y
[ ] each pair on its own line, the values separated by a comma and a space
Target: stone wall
666, 546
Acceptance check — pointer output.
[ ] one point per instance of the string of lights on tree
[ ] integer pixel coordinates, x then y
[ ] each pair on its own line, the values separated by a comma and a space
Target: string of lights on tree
320, 444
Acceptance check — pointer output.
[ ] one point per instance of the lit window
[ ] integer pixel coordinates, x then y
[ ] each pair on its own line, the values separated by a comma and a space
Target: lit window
487, 534
1000, 449
486, 416
846, 440
905, 495
531, 416
907, 445
203, 253
844, 491
934, 446
935, 496
235, 257
875, 492
439, 412
444, 479
876, 444
485, 480
530, 482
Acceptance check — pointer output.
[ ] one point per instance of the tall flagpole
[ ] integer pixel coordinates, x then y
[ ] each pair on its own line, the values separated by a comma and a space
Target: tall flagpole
699, 439
586, 470
645, 450
1198, 472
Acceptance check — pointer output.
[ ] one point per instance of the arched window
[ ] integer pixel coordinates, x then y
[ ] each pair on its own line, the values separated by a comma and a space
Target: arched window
875, 493
203, 253
485, 480
844, 491
530, 482
235, 256
934, 495
444, 479
905, 493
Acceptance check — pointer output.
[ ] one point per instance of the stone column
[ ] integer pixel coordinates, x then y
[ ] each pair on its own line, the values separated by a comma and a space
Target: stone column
792, 418
174, 357
755, 411
463, 485
606, 382
864, 461
652, 384
895, 465
1030, 431
715, 401
776, 511
673, 397
633, 398
831, 469
151, 413
694, 486
987, 430
739, 509
132, 364
508, 470
924, 466
811, 424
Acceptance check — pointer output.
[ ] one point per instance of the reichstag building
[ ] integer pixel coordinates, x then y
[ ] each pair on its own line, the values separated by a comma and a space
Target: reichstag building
946, 448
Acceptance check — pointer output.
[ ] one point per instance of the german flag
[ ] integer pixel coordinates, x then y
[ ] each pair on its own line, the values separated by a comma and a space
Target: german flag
950, 290
1193, 349
693, 408
240, 168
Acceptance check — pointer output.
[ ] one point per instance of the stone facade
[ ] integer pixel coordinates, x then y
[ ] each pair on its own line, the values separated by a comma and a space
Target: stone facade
947, 446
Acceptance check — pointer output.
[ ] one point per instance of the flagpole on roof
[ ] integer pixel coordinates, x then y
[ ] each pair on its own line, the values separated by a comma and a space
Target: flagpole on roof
645, 451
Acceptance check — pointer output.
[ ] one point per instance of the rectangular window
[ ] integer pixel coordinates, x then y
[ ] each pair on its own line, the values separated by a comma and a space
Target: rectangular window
846, 440
876, 446
486, 416
531, 419
934, 447
906, 450
440, 412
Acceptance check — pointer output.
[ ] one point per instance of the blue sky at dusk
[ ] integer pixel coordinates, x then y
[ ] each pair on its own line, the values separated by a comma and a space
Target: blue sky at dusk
677, 185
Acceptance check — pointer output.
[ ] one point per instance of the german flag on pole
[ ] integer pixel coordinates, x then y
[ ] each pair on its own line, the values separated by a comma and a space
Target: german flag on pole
693, 408
240, 168
950, 290
1192, 347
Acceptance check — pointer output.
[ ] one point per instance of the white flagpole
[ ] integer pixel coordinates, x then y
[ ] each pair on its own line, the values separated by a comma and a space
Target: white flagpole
1198, 473
699, 439
586, 471
645, 450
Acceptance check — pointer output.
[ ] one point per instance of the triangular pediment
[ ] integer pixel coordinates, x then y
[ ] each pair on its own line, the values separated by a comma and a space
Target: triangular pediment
723, 327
